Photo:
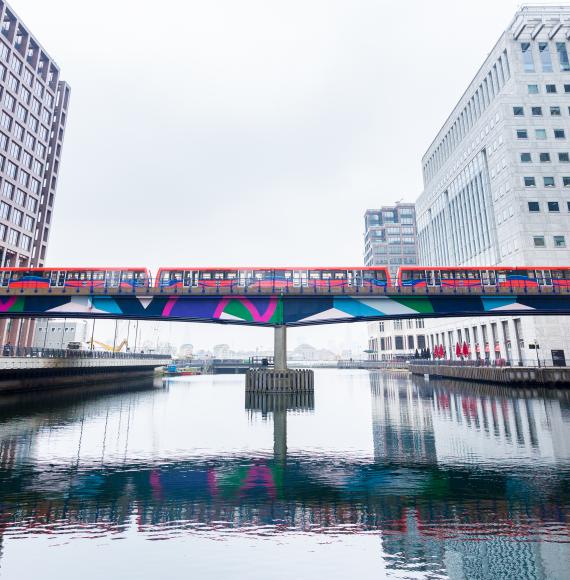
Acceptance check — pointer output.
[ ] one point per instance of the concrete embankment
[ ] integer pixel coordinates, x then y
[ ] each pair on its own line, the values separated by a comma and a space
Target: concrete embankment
29, 374
514, 376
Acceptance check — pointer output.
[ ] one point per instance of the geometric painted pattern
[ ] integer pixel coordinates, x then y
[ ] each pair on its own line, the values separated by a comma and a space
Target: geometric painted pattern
274, 310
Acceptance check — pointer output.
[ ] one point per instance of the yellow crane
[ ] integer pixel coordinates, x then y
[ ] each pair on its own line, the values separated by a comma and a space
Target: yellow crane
108, 347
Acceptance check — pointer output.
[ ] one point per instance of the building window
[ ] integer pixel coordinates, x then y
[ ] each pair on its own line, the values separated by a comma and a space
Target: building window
533, 206
399, 342
559, 242
19, 197
536, 111
540, 133
539, 241
555, 111
4, 210
568, 204
25, 242
526, 158
533, 89
563, 158
548, 181
32, 204
522, 134
544, 157
559, 134
528, 61
7, 189
567, 88
13, 237
518, 111
562, 56
545, 58
551, 89
566, 181
529, 182
11, 170
553, 206
18, 131
17, 217
6, 121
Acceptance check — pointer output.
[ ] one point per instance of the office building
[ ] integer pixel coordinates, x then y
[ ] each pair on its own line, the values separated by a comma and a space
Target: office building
497, 182
390, 236
58, 334
33, 112
390, 240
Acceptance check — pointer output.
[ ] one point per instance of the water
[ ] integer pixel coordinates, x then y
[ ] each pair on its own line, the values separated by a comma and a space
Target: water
376, 475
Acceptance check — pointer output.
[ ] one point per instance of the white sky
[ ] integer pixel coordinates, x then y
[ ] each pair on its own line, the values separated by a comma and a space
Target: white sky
233, 132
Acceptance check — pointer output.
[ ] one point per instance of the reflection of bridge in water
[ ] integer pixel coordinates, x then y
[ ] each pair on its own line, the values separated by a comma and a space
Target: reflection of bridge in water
422, 499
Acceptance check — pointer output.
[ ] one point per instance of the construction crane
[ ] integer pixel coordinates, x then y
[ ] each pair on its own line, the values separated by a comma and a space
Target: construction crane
108, 347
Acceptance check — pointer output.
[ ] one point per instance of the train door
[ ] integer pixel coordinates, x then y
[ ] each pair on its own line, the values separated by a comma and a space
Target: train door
300, 278
436, 278
187, 280
5, 278
243, 275
113, 278
546, 277
430, 280
488, 278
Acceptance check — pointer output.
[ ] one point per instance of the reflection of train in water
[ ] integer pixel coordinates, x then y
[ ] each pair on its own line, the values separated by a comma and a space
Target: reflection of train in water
271, 278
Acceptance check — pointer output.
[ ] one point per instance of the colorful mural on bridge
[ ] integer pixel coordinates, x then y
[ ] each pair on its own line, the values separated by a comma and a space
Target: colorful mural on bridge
276, 310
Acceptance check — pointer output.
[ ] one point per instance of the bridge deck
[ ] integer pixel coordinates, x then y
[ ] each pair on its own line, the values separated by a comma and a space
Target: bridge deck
291, 291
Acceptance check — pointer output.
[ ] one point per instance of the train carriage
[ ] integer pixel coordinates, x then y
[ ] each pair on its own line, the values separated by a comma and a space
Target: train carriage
271, 278
124, 278
484, 277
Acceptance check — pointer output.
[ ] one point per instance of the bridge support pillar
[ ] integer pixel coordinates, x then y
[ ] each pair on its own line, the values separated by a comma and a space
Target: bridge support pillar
280, 349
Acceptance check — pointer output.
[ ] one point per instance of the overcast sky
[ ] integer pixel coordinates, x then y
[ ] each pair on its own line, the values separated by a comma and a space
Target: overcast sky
222, 132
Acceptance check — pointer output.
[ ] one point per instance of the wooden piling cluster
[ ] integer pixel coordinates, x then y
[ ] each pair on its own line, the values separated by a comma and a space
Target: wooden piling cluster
287, 381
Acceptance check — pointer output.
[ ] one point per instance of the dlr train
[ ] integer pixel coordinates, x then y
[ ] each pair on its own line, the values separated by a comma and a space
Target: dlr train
280, 278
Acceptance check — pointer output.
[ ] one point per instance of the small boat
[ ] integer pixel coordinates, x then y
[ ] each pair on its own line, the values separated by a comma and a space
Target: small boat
174, 371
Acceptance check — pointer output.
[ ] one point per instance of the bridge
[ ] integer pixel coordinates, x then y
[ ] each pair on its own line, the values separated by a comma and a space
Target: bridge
288, 307
299, 306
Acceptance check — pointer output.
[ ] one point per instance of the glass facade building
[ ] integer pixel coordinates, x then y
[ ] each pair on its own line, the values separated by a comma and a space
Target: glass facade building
497, 181
34, 103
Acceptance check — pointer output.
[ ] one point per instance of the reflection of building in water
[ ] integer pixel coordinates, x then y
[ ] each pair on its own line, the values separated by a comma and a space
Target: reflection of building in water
490, 557
493, 424
401, 420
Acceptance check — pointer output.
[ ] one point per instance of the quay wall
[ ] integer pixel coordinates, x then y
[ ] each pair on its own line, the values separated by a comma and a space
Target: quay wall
550, 376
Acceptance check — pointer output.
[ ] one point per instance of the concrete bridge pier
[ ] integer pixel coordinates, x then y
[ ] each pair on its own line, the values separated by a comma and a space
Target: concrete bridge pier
280, 348
279, 378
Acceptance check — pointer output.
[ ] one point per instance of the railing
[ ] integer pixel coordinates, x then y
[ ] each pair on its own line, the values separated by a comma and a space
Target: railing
36, 352
289, 287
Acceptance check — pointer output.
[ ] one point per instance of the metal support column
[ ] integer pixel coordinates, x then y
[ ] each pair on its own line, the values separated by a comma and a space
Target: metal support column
280, 349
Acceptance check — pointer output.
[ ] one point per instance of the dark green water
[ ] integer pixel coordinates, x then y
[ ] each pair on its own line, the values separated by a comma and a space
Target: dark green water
375, 476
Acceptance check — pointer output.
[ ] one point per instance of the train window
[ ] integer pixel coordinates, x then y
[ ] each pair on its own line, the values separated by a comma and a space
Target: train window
288, 274
472, 275
501, 276
98, 275
339, 275
218, 275
314, 275
557, 274
406, 275
380, 275
164, 275
326, 275
368, 275
4, 278
446, 275
206, 275
231, 275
